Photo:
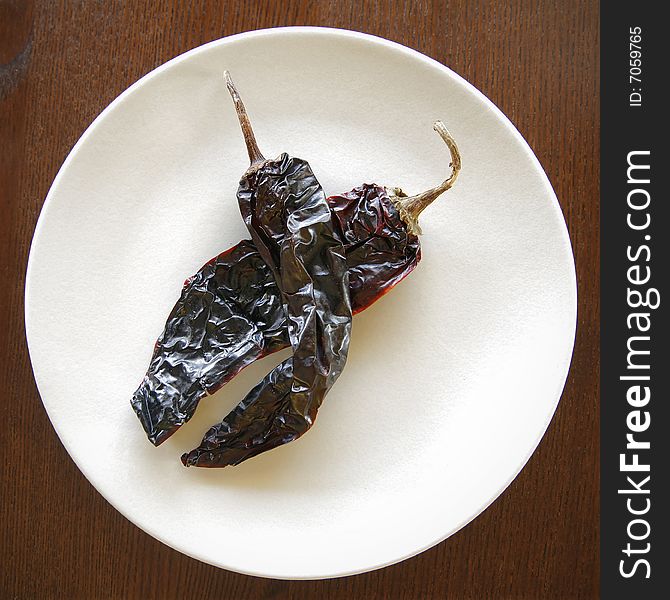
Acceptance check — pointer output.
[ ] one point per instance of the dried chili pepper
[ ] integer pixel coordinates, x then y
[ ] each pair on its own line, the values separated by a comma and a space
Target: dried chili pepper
230, 312
286, 212
284, 405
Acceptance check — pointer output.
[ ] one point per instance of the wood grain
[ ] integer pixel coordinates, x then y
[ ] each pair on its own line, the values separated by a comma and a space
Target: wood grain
61, 63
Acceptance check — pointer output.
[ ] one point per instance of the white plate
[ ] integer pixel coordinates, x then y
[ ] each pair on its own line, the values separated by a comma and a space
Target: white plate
452, 378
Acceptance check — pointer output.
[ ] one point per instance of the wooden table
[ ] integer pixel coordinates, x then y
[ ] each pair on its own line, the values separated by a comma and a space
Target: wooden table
61, 63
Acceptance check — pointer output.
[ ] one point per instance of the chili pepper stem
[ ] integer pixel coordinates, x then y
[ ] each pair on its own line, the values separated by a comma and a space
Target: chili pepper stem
410, 207
255, 155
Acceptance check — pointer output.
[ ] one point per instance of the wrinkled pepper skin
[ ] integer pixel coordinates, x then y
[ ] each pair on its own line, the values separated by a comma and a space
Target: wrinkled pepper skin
380, 249
230, 312
289, 219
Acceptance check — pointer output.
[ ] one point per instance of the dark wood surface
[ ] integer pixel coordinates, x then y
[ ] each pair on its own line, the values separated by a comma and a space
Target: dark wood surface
61, 63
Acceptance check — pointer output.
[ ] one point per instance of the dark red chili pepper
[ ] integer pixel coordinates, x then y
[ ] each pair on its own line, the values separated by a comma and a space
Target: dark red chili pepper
286, 212
230, 312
